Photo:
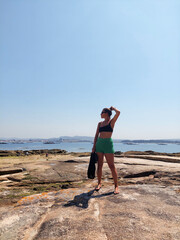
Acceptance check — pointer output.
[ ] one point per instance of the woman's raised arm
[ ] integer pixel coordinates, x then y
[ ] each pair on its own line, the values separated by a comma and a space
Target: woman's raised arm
114, 119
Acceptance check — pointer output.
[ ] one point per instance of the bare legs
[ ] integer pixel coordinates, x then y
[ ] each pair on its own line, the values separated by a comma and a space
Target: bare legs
110, 161
99, 169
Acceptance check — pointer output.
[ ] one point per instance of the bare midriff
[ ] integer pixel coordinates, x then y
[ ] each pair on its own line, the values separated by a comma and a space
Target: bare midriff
105, 134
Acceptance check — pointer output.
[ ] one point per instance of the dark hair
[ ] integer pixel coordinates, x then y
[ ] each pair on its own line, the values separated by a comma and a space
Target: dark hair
108, 111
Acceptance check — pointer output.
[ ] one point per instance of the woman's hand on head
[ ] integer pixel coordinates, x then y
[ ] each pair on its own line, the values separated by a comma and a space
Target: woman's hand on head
115, 109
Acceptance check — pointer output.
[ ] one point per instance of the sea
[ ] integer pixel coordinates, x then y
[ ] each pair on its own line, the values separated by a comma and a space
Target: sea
87, 146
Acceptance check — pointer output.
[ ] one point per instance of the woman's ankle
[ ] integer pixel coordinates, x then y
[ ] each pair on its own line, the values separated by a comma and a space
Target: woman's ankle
98, 186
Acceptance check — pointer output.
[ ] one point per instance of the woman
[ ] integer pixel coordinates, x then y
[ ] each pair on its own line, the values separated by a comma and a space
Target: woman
103, 145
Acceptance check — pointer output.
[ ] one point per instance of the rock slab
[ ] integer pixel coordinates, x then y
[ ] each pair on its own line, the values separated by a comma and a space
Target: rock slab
138, 212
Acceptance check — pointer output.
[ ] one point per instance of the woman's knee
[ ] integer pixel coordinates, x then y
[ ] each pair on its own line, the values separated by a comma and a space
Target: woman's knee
100, 163
111, 166
110, 160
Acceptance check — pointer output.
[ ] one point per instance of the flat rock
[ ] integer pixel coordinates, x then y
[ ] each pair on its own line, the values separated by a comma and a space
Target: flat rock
137, 212
61, 202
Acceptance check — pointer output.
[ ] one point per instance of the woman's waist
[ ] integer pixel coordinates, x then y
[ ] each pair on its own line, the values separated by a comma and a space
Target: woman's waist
104, 138
105, 135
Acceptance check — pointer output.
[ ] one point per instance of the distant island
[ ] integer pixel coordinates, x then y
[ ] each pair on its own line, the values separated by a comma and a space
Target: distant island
157, 141
69, 139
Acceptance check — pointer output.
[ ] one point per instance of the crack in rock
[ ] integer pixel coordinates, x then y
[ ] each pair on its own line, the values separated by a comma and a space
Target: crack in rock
141, 174
10, 171
33, 231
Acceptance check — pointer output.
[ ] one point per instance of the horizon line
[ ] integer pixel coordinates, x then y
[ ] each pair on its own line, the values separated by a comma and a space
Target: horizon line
27, 138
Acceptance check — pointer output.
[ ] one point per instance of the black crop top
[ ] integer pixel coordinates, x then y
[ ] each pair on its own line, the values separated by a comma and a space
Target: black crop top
106, 128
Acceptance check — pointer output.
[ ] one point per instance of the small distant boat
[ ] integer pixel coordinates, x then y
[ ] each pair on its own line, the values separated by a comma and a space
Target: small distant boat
129, 143
49, 142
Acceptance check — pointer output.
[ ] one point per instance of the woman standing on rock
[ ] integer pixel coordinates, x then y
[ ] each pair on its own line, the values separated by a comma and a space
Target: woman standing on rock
103, 145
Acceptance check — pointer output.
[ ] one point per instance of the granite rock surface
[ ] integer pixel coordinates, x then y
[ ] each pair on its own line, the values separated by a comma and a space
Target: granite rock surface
51, 198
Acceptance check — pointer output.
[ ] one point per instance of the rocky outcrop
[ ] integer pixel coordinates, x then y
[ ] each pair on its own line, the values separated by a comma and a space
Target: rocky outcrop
6, 153
31, 152
53, 199
138, 212
140, 153
33, 174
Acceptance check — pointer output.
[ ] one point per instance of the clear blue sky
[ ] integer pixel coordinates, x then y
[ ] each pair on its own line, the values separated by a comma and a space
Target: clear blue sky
62, 61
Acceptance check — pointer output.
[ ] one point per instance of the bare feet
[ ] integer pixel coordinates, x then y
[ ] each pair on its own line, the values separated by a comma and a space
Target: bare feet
98, 187
116, 190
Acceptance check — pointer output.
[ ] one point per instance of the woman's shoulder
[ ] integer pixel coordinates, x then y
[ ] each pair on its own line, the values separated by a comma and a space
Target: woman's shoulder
100, 123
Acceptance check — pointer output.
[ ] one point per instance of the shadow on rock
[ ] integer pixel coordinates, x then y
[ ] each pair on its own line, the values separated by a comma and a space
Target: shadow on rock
82, 199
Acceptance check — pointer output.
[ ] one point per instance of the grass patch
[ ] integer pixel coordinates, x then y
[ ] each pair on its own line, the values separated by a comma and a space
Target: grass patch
16, 197
30, 178
5, 157
15, 194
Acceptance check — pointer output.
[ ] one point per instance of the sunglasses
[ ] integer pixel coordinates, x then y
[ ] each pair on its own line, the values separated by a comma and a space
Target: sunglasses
103, 112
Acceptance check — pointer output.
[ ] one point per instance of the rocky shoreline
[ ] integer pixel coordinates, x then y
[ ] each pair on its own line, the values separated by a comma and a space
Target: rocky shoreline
7, 153
22, 174
42, 193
